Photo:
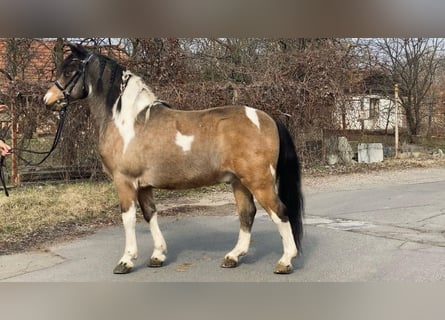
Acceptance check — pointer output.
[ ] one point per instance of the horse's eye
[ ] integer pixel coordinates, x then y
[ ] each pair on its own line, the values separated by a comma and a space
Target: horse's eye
68, 73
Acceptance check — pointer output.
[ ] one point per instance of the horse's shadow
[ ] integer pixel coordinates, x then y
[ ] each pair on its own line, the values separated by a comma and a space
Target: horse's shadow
265, 244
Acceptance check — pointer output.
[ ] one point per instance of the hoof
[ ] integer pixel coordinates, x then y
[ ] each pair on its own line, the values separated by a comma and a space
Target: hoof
281, 269
229, 263
155, 263
122, 268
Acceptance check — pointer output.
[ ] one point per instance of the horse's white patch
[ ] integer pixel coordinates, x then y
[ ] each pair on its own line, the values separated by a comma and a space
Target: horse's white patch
242, 246
184, 141
272, 170
129, 222
47, 96
275, 218
289, 246
135, 97
160, 247
252, 114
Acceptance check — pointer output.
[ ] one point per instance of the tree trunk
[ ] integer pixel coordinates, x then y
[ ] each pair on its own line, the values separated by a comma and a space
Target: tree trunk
410, 121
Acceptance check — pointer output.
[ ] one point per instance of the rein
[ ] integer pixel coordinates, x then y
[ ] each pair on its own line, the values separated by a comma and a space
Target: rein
2, 175
17, 151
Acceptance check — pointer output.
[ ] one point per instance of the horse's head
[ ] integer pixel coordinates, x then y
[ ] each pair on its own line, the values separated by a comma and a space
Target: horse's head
70, 83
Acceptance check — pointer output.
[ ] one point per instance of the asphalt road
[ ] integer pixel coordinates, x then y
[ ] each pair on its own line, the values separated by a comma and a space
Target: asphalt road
392, 229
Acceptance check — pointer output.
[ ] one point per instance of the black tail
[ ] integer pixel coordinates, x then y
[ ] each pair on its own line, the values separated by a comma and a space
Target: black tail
289, 183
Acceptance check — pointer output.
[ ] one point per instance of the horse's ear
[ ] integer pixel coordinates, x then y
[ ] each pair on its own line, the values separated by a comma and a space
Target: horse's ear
77, 50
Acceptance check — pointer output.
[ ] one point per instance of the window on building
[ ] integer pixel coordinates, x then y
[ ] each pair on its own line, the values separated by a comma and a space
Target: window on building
374, 108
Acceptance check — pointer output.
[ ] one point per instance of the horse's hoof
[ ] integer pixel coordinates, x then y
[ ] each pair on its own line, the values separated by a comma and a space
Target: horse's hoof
122, 268
281, 269
229, 263
155, 263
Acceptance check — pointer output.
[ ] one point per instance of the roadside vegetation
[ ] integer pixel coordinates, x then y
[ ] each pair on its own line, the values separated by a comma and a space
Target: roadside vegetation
36, 214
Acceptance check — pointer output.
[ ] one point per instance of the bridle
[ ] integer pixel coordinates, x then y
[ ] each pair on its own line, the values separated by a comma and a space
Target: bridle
69, 86
66, 90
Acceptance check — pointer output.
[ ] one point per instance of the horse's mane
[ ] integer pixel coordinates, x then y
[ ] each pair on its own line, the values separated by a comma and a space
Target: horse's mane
112, 84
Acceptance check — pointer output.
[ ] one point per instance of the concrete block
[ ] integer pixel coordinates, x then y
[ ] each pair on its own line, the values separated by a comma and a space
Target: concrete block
370, 152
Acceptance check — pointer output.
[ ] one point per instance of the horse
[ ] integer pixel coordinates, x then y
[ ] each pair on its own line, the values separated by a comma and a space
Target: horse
146, 144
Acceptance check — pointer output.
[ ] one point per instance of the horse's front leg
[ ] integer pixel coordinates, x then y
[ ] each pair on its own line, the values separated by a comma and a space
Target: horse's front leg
146, 201
127, 198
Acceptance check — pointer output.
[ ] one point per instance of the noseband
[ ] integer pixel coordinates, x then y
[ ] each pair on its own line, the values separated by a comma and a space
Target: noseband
68, 88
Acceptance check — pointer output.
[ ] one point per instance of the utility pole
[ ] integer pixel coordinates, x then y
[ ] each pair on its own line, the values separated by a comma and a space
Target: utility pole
396, 125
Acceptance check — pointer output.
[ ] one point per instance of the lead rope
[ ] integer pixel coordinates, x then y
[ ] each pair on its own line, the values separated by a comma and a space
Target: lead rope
2, 175
17, 151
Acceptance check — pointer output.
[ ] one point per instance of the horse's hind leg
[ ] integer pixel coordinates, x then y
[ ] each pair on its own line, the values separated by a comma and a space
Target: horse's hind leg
127, 198
148, 208
246, 211
269, 200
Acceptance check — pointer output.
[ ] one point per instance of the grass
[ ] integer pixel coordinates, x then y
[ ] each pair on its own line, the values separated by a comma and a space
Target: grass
36, 214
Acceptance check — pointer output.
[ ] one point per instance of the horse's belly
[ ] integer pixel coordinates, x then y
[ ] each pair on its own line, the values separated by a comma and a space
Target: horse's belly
181, 178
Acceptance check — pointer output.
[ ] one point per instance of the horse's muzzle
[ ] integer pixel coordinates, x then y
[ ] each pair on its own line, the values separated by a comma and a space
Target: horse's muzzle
54, 99
57, 106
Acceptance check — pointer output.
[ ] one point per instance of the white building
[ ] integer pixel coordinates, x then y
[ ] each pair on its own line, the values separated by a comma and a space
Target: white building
369, 112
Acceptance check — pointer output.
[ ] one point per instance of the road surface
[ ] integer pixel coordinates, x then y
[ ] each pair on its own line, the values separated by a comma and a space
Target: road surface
384, 226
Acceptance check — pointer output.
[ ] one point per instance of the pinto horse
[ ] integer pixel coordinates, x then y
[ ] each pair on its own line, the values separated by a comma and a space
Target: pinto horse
145, 144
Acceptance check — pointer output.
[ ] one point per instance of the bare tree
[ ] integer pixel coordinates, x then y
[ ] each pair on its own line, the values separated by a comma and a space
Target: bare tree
157, 60
412, 63
18, 55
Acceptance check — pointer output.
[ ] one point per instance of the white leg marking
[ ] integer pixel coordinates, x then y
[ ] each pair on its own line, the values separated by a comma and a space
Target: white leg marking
134, 99
242, 246
160, 247
183, 141
131, 250
289, 247
252, 114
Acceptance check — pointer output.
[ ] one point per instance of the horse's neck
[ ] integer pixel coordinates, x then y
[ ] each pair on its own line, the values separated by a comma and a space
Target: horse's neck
100, 114
134, 98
